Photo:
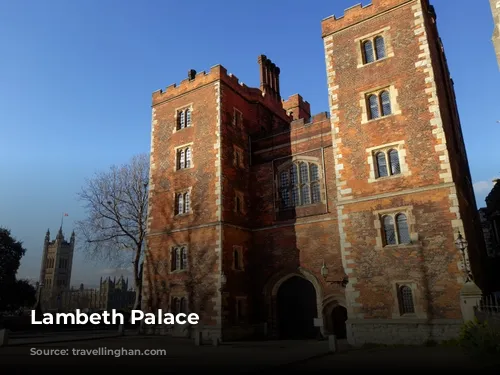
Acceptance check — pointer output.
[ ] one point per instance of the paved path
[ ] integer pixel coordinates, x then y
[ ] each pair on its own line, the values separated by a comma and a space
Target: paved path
401, 360
175, 354
16, 339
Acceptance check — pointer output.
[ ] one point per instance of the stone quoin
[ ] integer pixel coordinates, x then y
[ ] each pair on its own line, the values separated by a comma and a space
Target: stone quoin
266, 220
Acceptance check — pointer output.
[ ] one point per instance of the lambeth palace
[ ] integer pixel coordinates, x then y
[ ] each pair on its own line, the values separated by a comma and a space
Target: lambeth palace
269, 221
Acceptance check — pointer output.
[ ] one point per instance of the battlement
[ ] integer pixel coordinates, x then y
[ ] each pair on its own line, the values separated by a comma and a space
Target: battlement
317, 118
219, 73
358, 13
297, 107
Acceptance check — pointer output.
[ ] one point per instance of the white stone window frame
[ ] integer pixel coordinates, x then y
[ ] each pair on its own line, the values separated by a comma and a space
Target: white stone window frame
238, 155
385, 148
176, 150
389, 51
178, 260
419, 312
184, 213
238, 195
365, 105
241, 266
286, 166
243, 300
237, 114
177, 111
379, 226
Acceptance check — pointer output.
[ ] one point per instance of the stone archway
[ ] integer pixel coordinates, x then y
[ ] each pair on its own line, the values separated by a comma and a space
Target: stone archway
335, 317
296, 309
275, 299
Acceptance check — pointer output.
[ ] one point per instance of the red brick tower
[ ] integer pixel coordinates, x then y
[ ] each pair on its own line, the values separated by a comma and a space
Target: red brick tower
241, 207
403, 183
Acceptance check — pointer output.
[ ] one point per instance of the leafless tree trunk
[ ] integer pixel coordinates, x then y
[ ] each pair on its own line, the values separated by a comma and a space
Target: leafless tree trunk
116, 202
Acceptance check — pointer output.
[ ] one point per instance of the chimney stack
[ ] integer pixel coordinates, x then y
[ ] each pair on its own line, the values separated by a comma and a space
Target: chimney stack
269, 77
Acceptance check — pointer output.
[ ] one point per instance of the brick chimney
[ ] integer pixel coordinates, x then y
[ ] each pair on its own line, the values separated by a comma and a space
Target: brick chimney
269, 77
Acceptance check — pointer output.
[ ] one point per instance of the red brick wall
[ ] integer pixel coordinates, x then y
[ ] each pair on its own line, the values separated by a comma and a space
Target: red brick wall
431, 261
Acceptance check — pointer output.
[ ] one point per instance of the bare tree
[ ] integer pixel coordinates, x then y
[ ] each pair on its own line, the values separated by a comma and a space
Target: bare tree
116, 202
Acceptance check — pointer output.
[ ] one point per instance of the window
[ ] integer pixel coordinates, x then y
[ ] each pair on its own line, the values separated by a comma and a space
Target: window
238, 157
238, 202
178, 258
373, 49
395, 229
299, 185
379, 104
183, 203
237, 258
183, 118
50, 263
387, 163
405, 298
237, 118
179, 305
184, 158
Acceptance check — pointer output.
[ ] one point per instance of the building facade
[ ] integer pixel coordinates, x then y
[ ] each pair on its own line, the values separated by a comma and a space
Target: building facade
490, 221
266, 220
495, 9
111, 294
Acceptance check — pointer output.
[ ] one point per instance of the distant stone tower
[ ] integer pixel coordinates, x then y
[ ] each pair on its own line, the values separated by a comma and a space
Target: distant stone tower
57, 261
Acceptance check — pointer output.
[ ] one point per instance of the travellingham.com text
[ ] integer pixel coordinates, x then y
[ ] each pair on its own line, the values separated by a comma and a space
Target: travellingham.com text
114, 317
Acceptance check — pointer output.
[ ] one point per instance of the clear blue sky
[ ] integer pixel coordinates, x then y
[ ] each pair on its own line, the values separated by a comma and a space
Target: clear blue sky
76, 79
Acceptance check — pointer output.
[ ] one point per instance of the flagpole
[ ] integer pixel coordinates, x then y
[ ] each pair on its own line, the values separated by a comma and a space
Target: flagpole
62, 219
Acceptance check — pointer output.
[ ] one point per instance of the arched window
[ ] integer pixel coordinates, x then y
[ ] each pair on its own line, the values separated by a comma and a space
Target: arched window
387, 163
396, 230
182, 120
379, 104
183, 203
379, 47
188, 157
314, 173
182, 159
299, 185
389, 230
402, 229
373, 103
394, 162
187, 202
368, 52
381, 164
406, 305
184, 260
183, 305
180, 204
385, 99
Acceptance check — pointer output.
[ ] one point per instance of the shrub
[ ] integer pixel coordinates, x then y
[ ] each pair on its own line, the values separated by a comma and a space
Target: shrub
480, 338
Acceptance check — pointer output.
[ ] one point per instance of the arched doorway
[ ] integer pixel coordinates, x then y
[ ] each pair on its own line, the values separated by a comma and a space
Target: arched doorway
339, 318
296, 309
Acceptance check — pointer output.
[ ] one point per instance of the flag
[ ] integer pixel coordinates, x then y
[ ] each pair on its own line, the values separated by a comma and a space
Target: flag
66, 215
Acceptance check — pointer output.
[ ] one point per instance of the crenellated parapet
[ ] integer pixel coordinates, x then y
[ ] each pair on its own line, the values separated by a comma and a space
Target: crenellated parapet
269, 98
358, 13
